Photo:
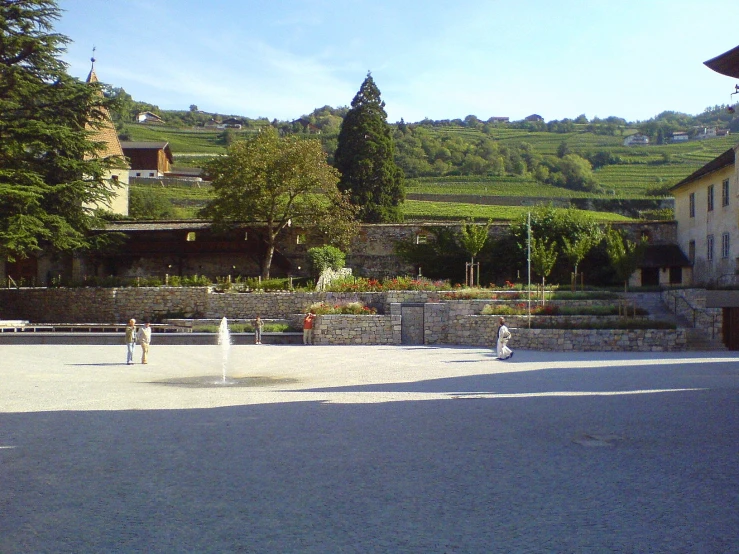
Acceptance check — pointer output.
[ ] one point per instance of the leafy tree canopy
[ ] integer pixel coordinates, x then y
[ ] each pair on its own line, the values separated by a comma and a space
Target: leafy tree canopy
272, 182
50, 170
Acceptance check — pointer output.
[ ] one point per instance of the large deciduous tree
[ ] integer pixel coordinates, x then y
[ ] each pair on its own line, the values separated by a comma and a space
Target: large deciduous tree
365, 157
270, 182
50, 170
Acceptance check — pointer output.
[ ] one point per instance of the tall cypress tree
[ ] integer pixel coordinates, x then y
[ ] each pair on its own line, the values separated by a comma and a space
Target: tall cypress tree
50, 171
365, 158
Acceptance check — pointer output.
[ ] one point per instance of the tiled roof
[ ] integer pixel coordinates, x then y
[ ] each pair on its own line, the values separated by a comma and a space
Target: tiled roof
145, 145
127, 226
664, 255
105, 131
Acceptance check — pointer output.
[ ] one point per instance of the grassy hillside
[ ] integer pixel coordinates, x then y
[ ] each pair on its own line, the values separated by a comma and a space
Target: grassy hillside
639, 168
187, 200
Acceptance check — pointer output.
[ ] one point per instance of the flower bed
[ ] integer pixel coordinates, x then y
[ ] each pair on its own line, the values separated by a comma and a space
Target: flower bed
347, 308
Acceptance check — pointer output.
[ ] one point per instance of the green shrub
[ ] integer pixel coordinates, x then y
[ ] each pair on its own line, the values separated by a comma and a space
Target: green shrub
189, 281
321, 258
350, 308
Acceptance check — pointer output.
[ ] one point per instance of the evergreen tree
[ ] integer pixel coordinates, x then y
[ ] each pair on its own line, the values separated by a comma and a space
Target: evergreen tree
365, 157
50, 173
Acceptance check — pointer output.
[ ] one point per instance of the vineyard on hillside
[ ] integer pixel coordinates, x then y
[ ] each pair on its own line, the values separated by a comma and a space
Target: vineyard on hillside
635, 171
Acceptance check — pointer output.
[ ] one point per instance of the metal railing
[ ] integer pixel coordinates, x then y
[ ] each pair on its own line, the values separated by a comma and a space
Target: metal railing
695, 311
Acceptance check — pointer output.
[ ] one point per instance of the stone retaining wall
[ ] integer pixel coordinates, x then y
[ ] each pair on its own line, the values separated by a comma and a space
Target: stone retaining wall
445, 321
482, 331
709, 319
353, 329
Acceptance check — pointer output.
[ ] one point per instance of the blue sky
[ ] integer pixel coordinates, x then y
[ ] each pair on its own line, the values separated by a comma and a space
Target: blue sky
442, 60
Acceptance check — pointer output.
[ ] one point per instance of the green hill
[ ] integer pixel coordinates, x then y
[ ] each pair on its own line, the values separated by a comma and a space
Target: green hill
485, 164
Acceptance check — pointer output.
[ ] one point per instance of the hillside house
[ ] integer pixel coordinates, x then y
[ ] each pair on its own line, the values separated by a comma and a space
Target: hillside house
707, 214
500, 119
636, 140
148, 117
148, 159
705, 133
679, 136
231, 123
534, 117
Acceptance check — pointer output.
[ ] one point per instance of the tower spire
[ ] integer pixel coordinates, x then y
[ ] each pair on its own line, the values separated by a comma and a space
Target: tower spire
92, 78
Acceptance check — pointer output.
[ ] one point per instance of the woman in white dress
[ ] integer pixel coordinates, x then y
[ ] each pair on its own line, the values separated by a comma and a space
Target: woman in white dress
504, 336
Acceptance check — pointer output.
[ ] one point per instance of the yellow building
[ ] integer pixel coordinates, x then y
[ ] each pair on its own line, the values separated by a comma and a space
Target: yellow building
707, 214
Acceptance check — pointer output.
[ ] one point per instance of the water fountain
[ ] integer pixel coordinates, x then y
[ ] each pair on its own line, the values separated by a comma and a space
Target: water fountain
224, 340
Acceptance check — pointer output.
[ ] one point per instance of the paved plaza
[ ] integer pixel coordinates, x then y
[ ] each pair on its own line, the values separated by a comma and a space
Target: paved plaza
367, 449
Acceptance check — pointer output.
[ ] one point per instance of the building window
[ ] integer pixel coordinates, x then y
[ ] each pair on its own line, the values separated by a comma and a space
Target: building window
725, 245
710, 198
692, 204
190, 236
421, 238
691, 251
138, 174
709, 248
300, 239
725, 193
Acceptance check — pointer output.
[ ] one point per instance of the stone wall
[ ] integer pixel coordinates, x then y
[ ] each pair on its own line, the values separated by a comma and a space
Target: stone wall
691, 305
445, 322
353, 329
482, 330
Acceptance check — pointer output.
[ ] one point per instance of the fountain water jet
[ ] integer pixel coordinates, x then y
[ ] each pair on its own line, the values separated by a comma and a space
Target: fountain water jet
224, 340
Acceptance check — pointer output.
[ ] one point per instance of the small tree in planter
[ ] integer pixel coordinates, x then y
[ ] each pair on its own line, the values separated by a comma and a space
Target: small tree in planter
543, 258
624, 254
577, 248
473, 238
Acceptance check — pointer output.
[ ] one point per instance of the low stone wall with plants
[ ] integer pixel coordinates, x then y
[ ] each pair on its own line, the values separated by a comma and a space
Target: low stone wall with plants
482, 331
599, 340
94, 305
357, 329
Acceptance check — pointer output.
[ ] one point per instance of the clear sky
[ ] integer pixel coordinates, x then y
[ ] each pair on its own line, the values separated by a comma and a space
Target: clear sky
443, 60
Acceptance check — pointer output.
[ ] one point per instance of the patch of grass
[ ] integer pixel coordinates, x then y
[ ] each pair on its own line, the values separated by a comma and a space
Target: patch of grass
452, 211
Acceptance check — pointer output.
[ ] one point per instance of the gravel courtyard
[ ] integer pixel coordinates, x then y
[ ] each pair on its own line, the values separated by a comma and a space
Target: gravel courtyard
367, 449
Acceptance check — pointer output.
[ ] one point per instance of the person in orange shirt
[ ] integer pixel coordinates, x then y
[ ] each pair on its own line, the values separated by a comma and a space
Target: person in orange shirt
308, 328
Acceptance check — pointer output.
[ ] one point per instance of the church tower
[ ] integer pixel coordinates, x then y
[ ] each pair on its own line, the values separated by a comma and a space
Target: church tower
119, 178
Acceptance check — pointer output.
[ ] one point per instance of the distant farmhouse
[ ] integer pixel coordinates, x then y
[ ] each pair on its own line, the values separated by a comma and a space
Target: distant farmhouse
231, 123
636, 140
679, 136
495, 119
534, 117
148, 117
148, 159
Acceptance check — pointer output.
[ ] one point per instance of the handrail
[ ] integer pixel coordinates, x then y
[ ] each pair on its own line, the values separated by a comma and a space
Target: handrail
695, 310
